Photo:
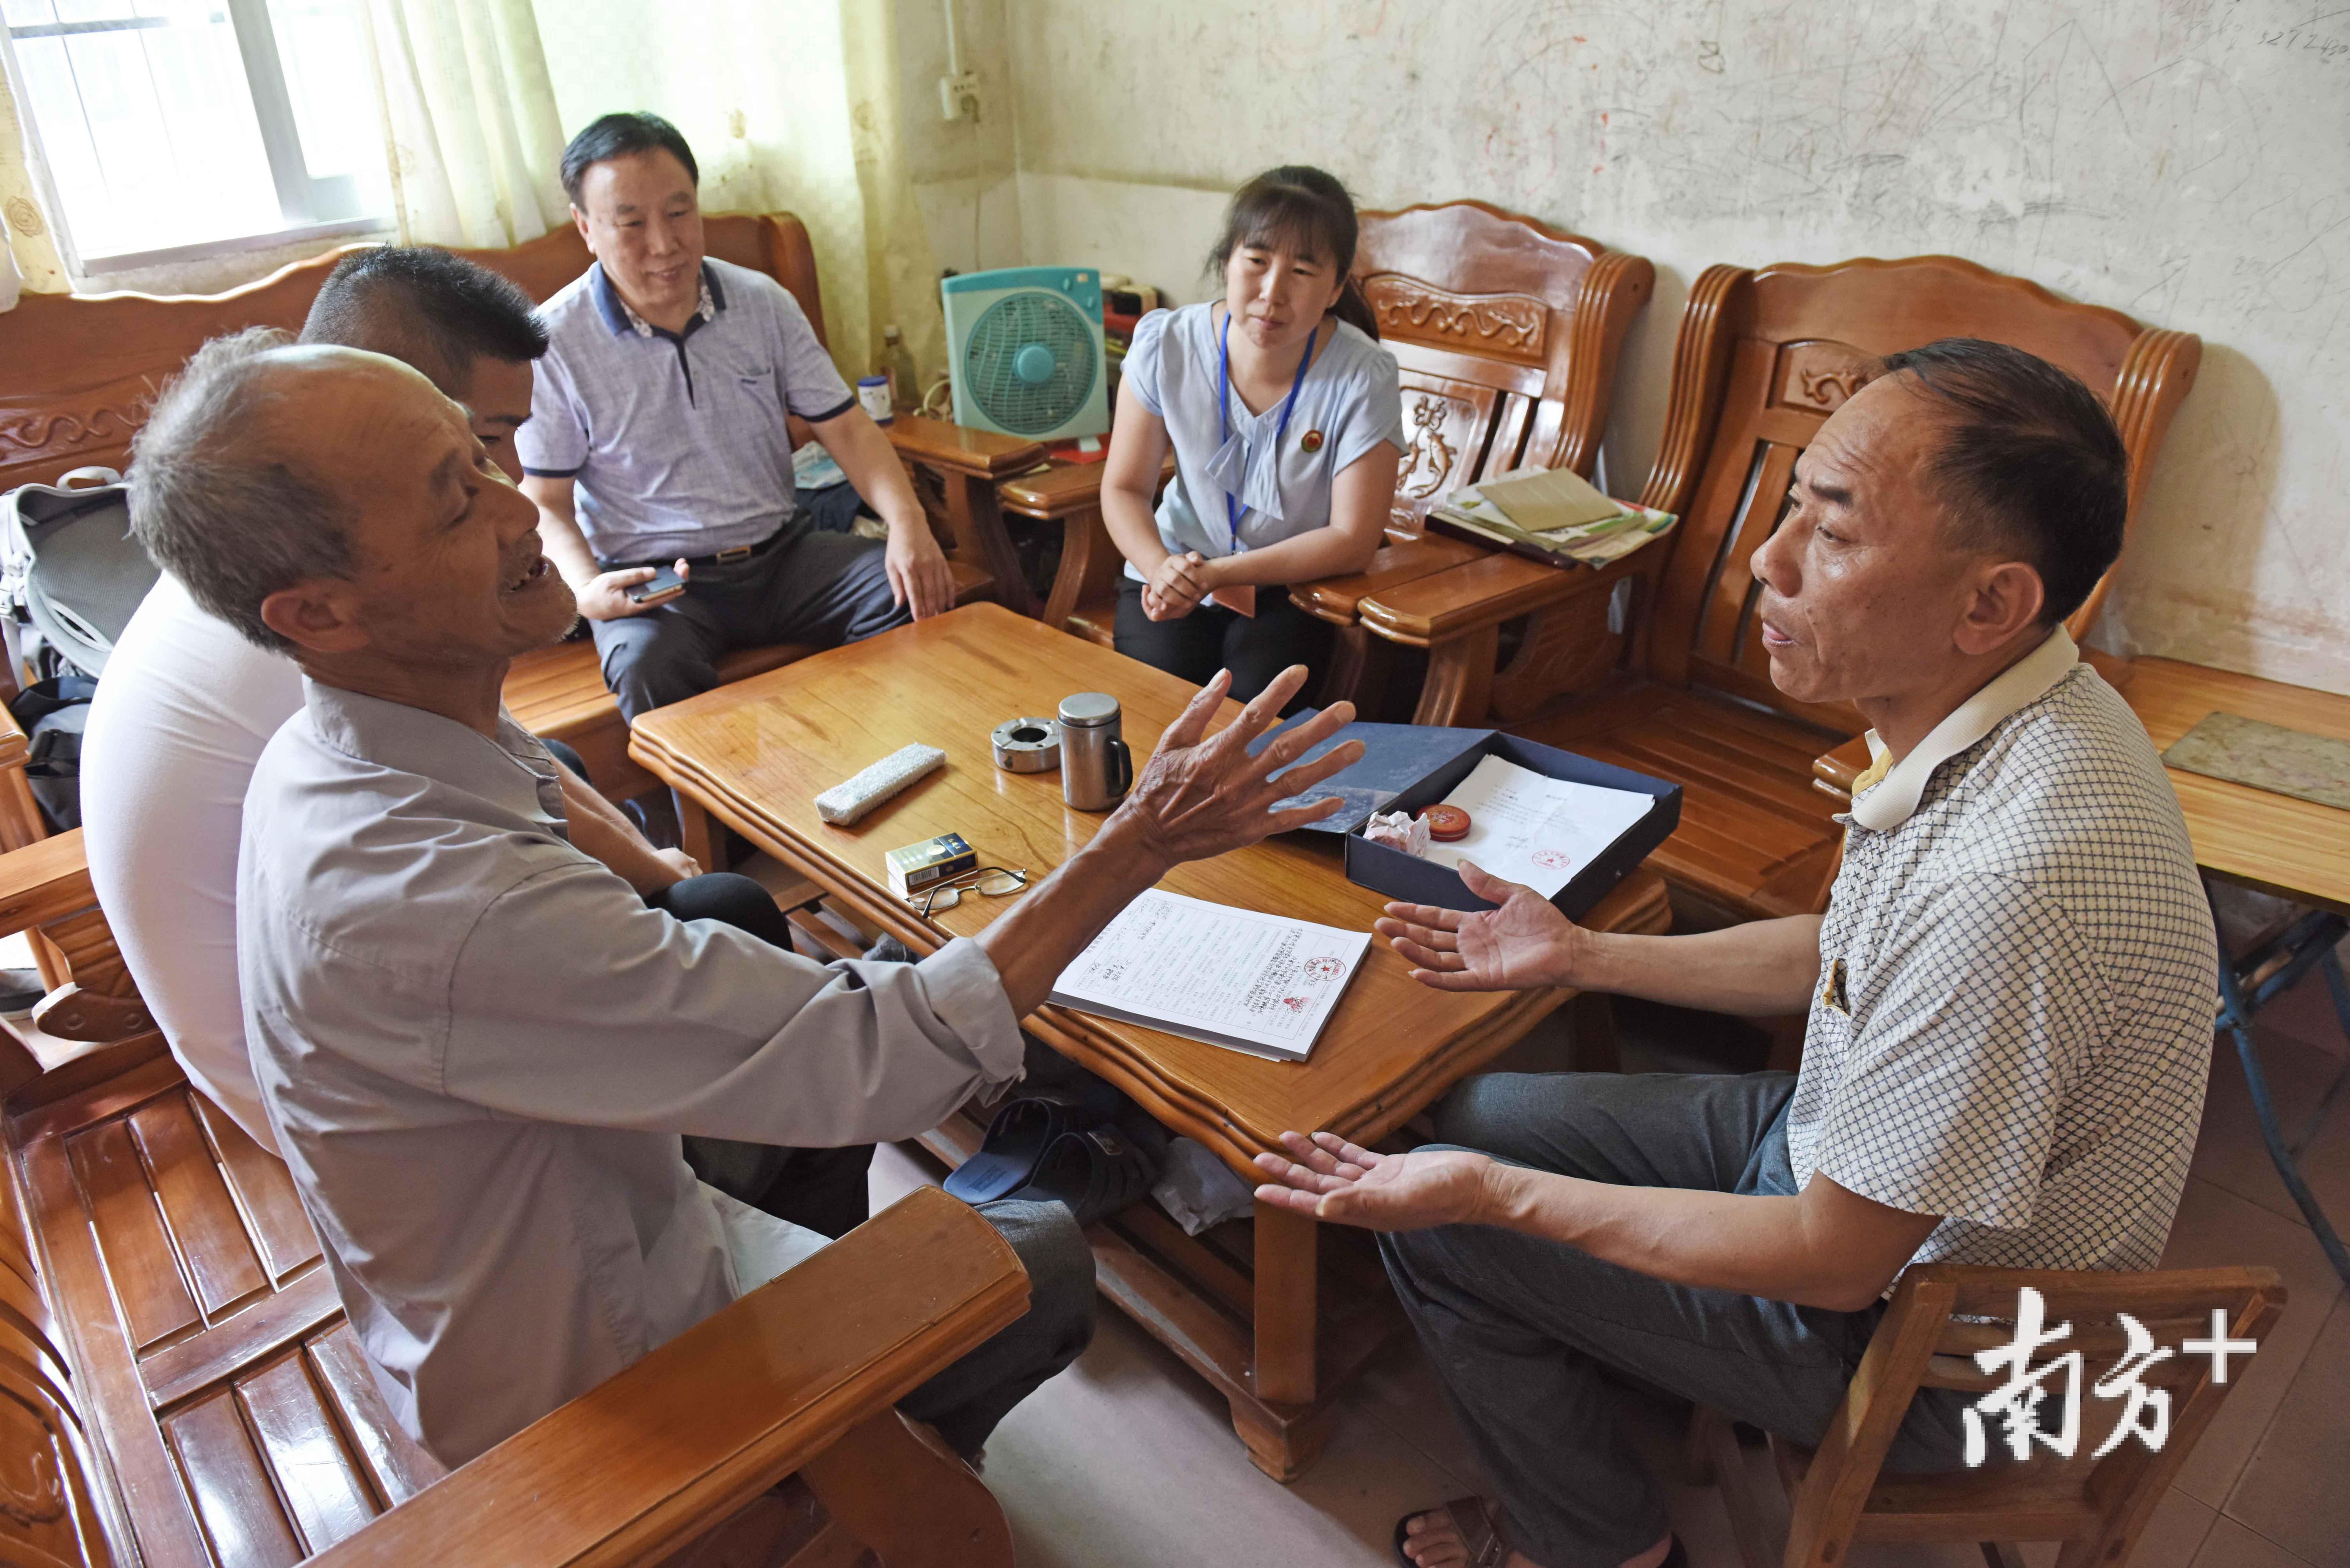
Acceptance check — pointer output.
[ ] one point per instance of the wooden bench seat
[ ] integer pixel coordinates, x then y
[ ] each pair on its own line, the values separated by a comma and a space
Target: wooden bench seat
182, 1390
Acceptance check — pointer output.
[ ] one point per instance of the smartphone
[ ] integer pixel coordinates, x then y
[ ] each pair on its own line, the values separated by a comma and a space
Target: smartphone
658, 589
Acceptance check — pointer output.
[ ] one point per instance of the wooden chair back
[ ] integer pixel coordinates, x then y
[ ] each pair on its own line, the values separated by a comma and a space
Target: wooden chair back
1507, 332
1942, 1315
77, 372
1764, 357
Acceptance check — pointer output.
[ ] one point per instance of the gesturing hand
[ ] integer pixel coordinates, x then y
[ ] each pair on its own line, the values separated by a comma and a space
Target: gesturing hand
1333, 1179
1200, 797
1523, 944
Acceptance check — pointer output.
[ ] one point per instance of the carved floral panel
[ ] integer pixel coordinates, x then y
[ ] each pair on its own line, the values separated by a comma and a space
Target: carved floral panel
1497, 326
59, 428
1817, 376
1445, 425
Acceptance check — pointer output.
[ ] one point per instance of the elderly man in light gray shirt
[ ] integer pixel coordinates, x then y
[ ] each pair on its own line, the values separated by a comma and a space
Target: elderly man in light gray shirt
477, 1045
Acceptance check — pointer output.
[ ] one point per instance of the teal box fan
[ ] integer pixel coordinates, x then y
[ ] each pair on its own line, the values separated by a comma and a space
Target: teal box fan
1024, 351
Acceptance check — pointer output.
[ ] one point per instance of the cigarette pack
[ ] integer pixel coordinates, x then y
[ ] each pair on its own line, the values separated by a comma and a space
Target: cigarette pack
916, 866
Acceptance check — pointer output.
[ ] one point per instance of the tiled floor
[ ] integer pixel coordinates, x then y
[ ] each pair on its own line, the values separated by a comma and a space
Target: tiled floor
1128, 1460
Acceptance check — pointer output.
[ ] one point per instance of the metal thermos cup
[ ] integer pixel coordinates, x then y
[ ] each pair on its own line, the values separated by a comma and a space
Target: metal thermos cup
1096, 770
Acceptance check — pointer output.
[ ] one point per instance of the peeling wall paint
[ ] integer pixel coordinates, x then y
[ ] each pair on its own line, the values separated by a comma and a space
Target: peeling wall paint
2187, 161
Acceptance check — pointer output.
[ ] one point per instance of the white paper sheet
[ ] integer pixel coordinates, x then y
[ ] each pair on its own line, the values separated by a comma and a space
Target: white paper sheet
1527, 827
1230, 977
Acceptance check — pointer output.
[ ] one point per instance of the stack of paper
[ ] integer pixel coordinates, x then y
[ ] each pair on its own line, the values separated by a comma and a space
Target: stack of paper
1543, 499
1229, 977
1555, 511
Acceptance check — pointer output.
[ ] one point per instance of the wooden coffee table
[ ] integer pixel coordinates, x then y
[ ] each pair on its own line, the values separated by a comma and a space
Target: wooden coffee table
1242, 1303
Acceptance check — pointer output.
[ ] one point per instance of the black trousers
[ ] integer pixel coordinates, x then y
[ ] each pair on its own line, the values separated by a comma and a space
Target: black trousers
815, 586
1254, 649
820, 1189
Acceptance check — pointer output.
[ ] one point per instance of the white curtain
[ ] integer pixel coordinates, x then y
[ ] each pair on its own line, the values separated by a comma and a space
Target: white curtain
470, 126
790, 106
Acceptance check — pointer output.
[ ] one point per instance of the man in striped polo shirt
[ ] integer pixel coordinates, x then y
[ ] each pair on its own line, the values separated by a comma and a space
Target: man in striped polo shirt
659, 435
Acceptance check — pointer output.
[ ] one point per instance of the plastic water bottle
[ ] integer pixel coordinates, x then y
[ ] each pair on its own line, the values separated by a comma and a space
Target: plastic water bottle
898, 368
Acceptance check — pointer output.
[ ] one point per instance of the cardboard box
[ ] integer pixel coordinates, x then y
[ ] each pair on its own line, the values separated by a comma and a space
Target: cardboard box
1412, 880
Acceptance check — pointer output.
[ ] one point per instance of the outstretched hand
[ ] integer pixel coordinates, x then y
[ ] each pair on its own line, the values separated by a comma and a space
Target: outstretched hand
1523, 944
1346, 1184
1199, 796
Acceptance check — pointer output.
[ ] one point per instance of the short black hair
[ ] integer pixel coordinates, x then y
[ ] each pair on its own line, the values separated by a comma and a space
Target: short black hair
2031, 459
617, 136
429, 309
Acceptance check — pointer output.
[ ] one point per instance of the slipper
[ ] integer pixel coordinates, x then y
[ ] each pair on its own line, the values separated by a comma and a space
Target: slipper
1021, 1130
1095, 1173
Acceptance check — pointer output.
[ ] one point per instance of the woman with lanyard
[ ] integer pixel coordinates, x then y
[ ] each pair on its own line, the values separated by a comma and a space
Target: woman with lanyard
1288, 432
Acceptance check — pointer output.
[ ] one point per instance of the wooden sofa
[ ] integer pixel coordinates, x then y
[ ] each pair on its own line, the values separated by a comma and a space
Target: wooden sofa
1507, 332
1763, 358
77, 374
181, 1387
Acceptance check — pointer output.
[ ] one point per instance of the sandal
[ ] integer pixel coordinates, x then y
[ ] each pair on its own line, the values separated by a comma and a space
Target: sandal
1021, 1130
1095, 1173
1478, 1521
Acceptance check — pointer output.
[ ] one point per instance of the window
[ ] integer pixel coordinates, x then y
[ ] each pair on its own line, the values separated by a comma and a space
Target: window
175, 128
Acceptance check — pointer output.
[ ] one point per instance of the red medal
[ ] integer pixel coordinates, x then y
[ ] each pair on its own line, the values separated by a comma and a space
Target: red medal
1446, 823
1311, 441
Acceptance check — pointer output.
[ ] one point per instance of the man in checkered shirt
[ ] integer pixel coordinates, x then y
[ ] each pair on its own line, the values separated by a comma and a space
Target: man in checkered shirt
2011, 1003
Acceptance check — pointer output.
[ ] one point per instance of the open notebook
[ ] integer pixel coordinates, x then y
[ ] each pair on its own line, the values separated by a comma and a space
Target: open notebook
1229, 977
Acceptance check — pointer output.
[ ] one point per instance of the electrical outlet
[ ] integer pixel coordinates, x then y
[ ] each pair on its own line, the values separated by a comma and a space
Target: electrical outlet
959, 96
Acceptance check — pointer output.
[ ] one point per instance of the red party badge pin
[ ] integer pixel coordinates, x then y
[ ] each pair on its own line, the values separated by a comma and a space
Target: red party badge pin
1311, 440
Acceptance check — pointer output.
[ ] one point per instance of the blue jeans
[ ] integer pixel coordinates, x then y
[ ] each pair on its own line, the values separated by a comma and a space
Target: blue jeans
1519, 1328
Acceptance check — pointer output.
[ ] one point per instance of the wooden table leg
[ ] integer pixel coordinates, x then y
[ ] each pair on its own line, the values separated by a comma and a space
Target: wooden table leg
1286, 1344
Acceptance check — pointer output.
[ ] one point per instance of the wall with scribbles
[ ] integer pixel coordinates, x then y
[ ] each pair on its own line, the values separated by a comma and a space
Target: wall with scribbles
2185, 160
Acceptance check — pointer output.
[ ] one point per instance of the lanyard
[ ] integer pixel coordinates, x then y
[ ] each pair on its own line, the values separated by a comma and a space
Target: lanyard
1233, 508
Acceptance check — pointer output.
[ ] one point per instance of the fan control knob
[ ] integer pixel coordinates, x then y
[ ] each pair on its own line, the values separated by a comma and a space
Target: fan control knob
1033, 364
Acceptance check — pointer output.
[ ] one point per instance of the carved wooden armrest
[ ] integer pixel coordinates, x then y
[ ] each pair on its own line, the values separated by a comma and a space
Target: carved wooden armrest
1475, 597
20, 814
1399, 561
44, 882
1064, 490
799, 1376
981, 454
1834, 772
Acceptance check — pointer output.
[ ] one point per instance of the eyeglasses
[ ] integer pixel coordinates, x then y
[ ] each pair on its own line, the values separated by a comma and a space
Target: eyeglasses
990, 881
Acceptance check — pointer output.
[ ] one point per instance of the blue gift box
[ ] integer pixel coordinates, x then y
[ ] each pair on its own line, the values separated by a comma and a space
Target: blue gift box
1387, 779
